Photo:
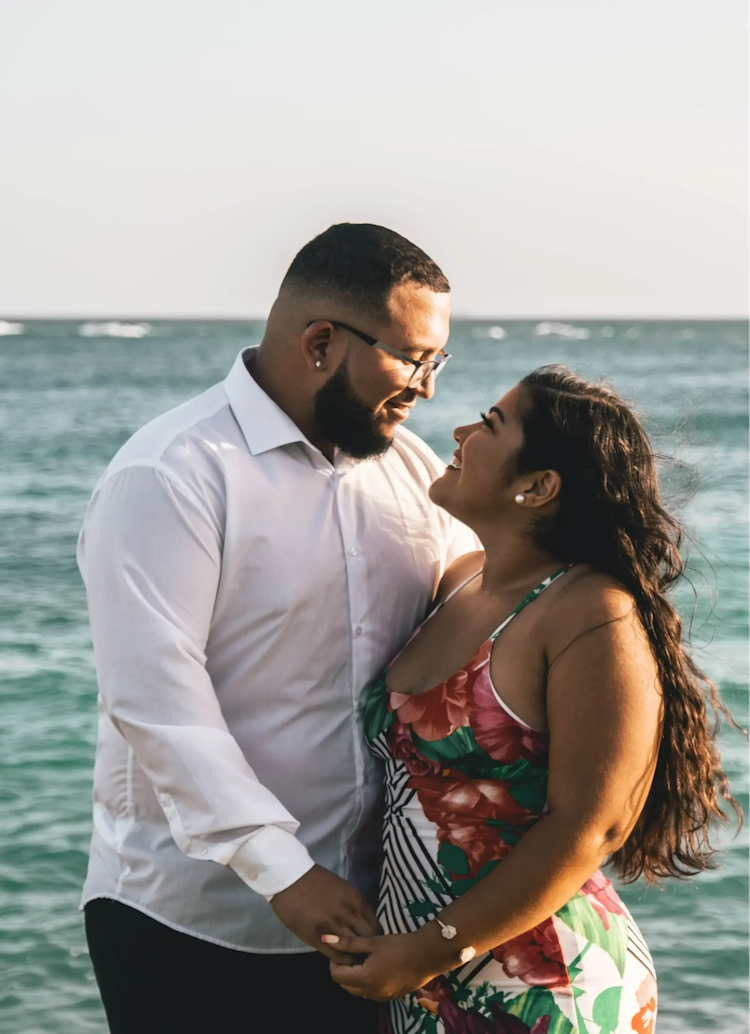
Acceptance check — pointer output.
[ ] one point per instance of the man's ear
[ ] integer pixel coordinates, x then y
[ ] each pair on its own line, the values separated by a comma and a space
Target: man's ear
546, 486
315, 343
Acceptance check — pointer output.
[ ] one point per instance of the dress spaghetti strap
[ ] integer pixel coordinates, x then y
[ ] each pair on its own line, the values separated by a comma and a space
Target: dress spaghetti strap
530, 599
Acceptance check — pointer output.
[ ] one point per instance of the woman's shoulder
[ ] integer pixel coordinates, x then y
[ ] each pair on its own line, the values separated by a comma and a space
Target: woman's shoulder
461, 568
592, 601
594, 593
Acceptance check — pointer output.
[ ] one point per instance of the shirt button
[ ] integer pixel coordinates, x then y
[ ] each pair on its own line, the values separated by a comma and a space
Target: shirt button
252, 874
358, 630
353, 551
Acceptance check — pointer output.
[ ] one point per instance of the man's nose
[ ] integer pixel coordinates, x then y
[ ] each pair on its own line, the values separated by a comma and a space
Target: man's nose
426, 387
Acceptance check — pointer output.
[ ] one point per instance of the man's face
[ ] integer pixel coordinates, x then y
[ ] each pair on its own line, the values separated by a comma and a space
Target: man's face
364, 401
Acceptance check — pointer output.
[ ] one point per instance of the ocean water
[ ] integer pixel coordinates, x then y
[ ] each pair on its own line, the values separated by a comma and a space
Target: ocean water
72, 392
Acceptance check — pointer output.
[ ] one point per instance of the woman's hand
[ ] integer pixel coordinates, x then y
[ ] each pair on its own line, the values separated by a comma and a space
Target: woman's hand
395, 965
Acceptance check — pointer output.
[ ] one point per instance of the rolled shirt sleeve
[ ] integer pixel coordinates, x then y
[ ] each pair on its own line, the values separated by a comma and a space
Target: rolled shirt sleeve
150, 556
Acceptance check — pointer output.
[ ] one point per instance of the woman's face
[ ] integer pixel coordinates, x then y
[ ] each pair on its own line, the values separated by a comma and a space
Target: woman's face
480, 480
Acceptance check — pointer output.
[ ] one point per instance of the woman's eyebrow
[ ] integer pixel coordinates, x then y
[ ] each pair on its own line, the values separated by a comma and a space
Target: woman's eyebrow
494, 409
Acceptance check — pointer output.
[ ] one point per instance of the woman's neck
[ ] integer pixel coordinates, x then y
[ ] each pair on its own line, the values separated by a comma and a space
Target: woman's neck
512, 560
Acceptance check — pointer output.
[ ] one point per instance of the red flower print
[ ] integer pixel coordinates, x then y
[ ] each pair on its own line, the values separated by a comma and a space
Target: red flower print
503, 738
476, 799
472, 1021
459, 807
404, 749
644, 1020
603, 897
481, 844
536, 958
435, 990
438, 712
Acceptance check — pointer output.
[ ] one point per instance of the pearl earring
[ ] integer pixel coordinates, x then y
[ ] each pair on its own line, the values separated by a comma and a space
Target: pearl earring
318, 363
520, 499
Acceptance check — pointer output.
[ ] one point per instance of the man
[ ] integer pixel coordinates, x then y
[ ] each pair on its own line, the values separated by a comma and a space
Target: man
252, 559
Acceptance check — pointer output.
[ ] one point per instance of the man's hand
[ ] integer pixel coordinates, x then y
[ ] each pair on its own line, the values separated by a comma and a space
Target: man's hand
321, 902
391, 966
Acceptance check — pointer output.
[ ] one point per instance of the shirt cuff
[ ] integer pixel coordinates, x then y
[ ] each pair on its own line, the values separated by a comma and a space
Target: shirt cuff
271, 860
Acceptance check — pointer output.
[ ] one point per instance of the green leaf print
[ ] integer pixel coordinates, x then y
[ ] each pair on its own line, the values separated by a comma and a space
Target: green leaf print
508, 834
429, 1023
481, 766
436, 886
531, 795
377, 717
459, 744
420, 909
582, 1028
535, 1003
453, 859
606, 1011
459, 887
581, 916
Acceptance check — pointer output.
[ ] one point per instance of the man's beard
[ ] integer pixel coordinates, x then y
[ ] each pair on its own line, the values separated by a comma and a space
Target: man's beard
342, 418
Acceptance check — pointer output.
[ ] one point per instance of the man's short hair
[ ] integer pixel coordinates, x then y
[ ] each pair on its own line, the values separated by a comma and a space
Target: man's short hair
361, 263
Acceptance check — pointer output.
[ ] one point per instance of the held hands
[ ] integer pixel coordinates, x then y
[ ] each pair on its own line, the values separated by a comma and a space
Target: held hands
320, 901
395, 965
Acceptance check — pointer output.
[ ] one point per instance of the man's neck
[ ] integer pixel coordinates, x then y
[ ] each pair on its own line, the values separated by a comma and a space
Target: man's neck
280, 388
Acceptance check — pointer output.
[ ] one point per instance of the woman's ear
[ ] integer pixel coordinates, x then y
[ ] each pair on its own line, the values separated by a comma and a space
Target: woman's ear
546, 487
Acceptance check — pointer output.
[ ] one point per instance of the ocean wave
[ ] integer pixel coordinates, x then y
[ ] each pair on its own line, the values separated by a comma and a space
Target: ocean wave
552, 329
113, 328
10, 329
495, 332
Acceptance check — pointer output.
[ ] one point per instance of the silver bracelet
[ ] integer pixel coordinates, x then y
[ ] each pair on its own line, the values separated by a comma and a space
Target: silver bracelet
449, 932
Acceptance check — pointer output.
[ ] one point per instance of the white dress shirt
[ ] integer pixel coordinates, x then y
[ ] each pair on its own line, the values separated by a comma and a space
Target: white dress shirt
243, 591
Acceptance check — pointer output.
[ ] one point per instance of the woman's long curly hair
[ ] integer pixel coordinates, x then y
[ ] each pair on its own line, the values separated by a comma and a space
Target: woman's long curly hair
610, 515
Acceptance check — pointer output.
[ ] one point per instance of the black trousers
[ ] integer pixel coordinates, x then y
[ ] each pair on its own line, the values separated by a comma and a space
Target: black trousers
154, 980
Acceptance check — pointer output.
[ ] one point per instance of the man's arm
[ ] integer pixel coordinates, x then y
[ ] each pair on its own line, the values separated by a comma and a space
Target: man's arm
150, 556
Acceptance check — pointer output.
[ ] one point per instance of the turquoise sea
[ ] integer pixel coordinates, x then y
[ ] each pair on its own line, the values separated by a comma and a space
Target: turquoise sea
71, 392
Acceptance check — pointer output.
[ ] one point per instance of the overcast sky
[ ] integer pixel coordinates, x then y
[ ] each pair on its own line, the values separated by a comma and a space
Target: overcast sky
556, 157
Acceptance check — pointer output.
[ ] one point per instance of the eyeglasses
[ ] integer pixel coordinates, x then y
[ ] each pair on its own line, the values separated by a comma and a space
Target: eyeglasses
422, 371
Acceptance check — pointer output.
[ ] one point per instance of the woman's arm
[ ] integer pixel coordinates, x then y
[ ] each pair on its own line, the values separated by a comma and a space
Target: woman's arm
604, 710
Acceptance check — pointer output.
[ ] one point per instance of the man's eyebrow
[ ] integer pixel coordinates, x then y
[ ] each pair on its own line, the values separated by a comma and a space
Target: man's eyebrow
494, 409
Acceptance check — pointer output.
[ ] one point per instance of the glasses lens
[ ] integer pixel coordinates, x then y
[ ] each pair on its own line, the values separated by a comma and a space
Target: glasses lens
427, 370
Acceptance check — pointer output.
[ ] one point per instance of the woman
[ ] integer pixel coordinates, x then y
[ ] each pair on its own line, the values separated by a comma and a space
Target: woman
544, 719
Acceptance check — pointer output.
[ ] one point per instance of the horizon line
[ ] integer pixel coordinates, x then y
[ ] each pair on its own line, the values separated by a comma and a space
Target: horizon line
88, 317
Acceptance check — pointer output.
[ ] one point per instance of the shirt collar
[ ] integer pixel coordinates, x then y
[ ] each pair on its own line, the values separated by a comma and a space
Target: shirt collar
264, 424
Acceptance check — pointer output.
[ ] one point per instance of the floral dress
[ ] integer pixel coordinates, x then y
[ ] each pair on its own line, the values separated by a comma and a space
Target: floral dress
465, 779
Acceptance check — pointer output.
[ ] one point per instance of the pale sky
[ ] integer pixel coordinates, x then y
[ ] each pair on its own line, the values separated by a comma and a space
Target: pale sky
558, 158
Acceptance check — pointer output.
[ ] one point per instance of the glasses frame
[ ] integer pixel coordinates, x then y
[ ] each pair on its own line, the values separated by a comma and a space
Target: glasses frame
436, 364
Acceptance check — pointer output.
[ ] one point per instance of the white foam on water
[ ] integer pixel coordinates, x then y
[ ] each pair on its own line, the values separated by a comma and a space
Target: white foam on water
566, 330
496, 332
113, 328
10, 329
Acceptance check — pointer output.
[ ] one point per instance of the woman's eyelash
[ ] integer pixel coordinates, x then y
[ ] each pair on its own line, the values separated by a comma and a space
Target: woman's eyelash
486, 420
